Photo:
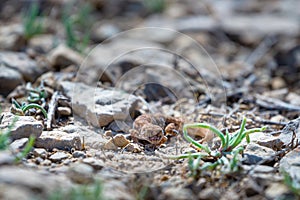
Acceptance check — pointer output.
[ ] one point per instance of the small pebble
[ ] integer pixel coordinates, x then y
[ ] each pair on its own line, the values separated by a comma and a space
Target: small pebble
109, 145
18, 145
132, 147
120, 140
64, 111
81, 173
67, 162
40, 152
39, 160
78, 154
6, 158
95, 163
58, 156
46, 162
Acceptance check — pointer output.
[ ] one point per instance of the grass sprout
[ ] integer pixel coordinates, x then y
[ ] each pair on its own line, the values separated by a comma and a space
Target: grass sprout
77, 27
292, 183
21, 109
26, 149
155, 6
32, 25
227, 156
36, 95
87, 192
4, 135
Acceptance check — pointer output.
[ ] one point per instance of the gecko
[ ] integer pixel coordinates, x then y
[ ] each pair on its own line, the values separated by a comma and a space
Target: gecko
156, 128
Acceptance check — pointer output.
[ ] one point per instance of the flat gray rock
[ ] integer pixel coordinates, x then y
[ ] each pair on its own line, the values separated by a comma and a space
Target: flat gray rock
58, 156
40, 152
24, 127
62, 56
43, 43
20, 62
286, 135
108, 61
12, 37
99, 106
81, 173
97, 164
260, 24
28, 182
290, 164
92, 138
18, 145
59, 140
266, 140
9, 79
254, 153
6, 158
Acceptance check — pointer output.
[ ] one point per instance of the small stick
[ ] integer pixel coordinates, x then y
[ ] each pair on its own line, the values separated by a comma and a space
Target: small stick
51, 110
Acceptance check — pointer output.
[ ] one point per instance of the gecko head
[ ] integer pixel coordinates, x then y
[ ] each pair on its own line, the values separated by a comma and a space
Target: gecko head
152, 133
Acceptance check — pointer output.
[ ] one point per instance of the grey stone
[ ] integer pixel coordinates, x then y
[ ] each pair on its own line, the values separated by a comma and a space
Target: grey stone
81, 173
260, 25
103, 107
59, 169
8, 192
9, 79
263, 169
120, 190
196, 24
251, 187
156, 35
38, 160
278, 191
24, 127
58, 156
293, 98
64, 111
104, 31
254, 153
209, 193
177, 193
25, 179
40, 152
11, 37
43, 43
29, 68
266, 140
91, 137
290, 164
46, 162
59, 140
291, 128
117, 57
78, 154
6, 158
62, 56
18, 145
95, 163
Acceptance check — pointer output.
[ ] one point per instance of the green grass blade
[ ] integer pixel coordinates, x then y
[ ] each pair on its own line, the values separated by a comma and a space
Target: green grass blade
238, 139
26, 149
33, 105
211, 128
191, 140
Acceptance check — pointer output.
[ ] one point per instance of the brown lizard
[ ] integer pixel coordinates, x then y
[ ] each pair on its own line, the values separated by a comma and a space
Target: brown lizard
156, 128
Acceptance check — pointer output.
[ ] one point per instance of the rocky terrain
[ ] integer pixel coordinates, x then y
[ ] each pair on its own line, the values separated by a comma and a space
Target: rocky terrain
149, 99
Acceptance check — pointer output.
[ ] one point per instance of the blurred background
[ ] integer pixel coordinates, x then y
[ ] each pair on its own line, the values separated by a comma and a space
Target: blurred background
258, 40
